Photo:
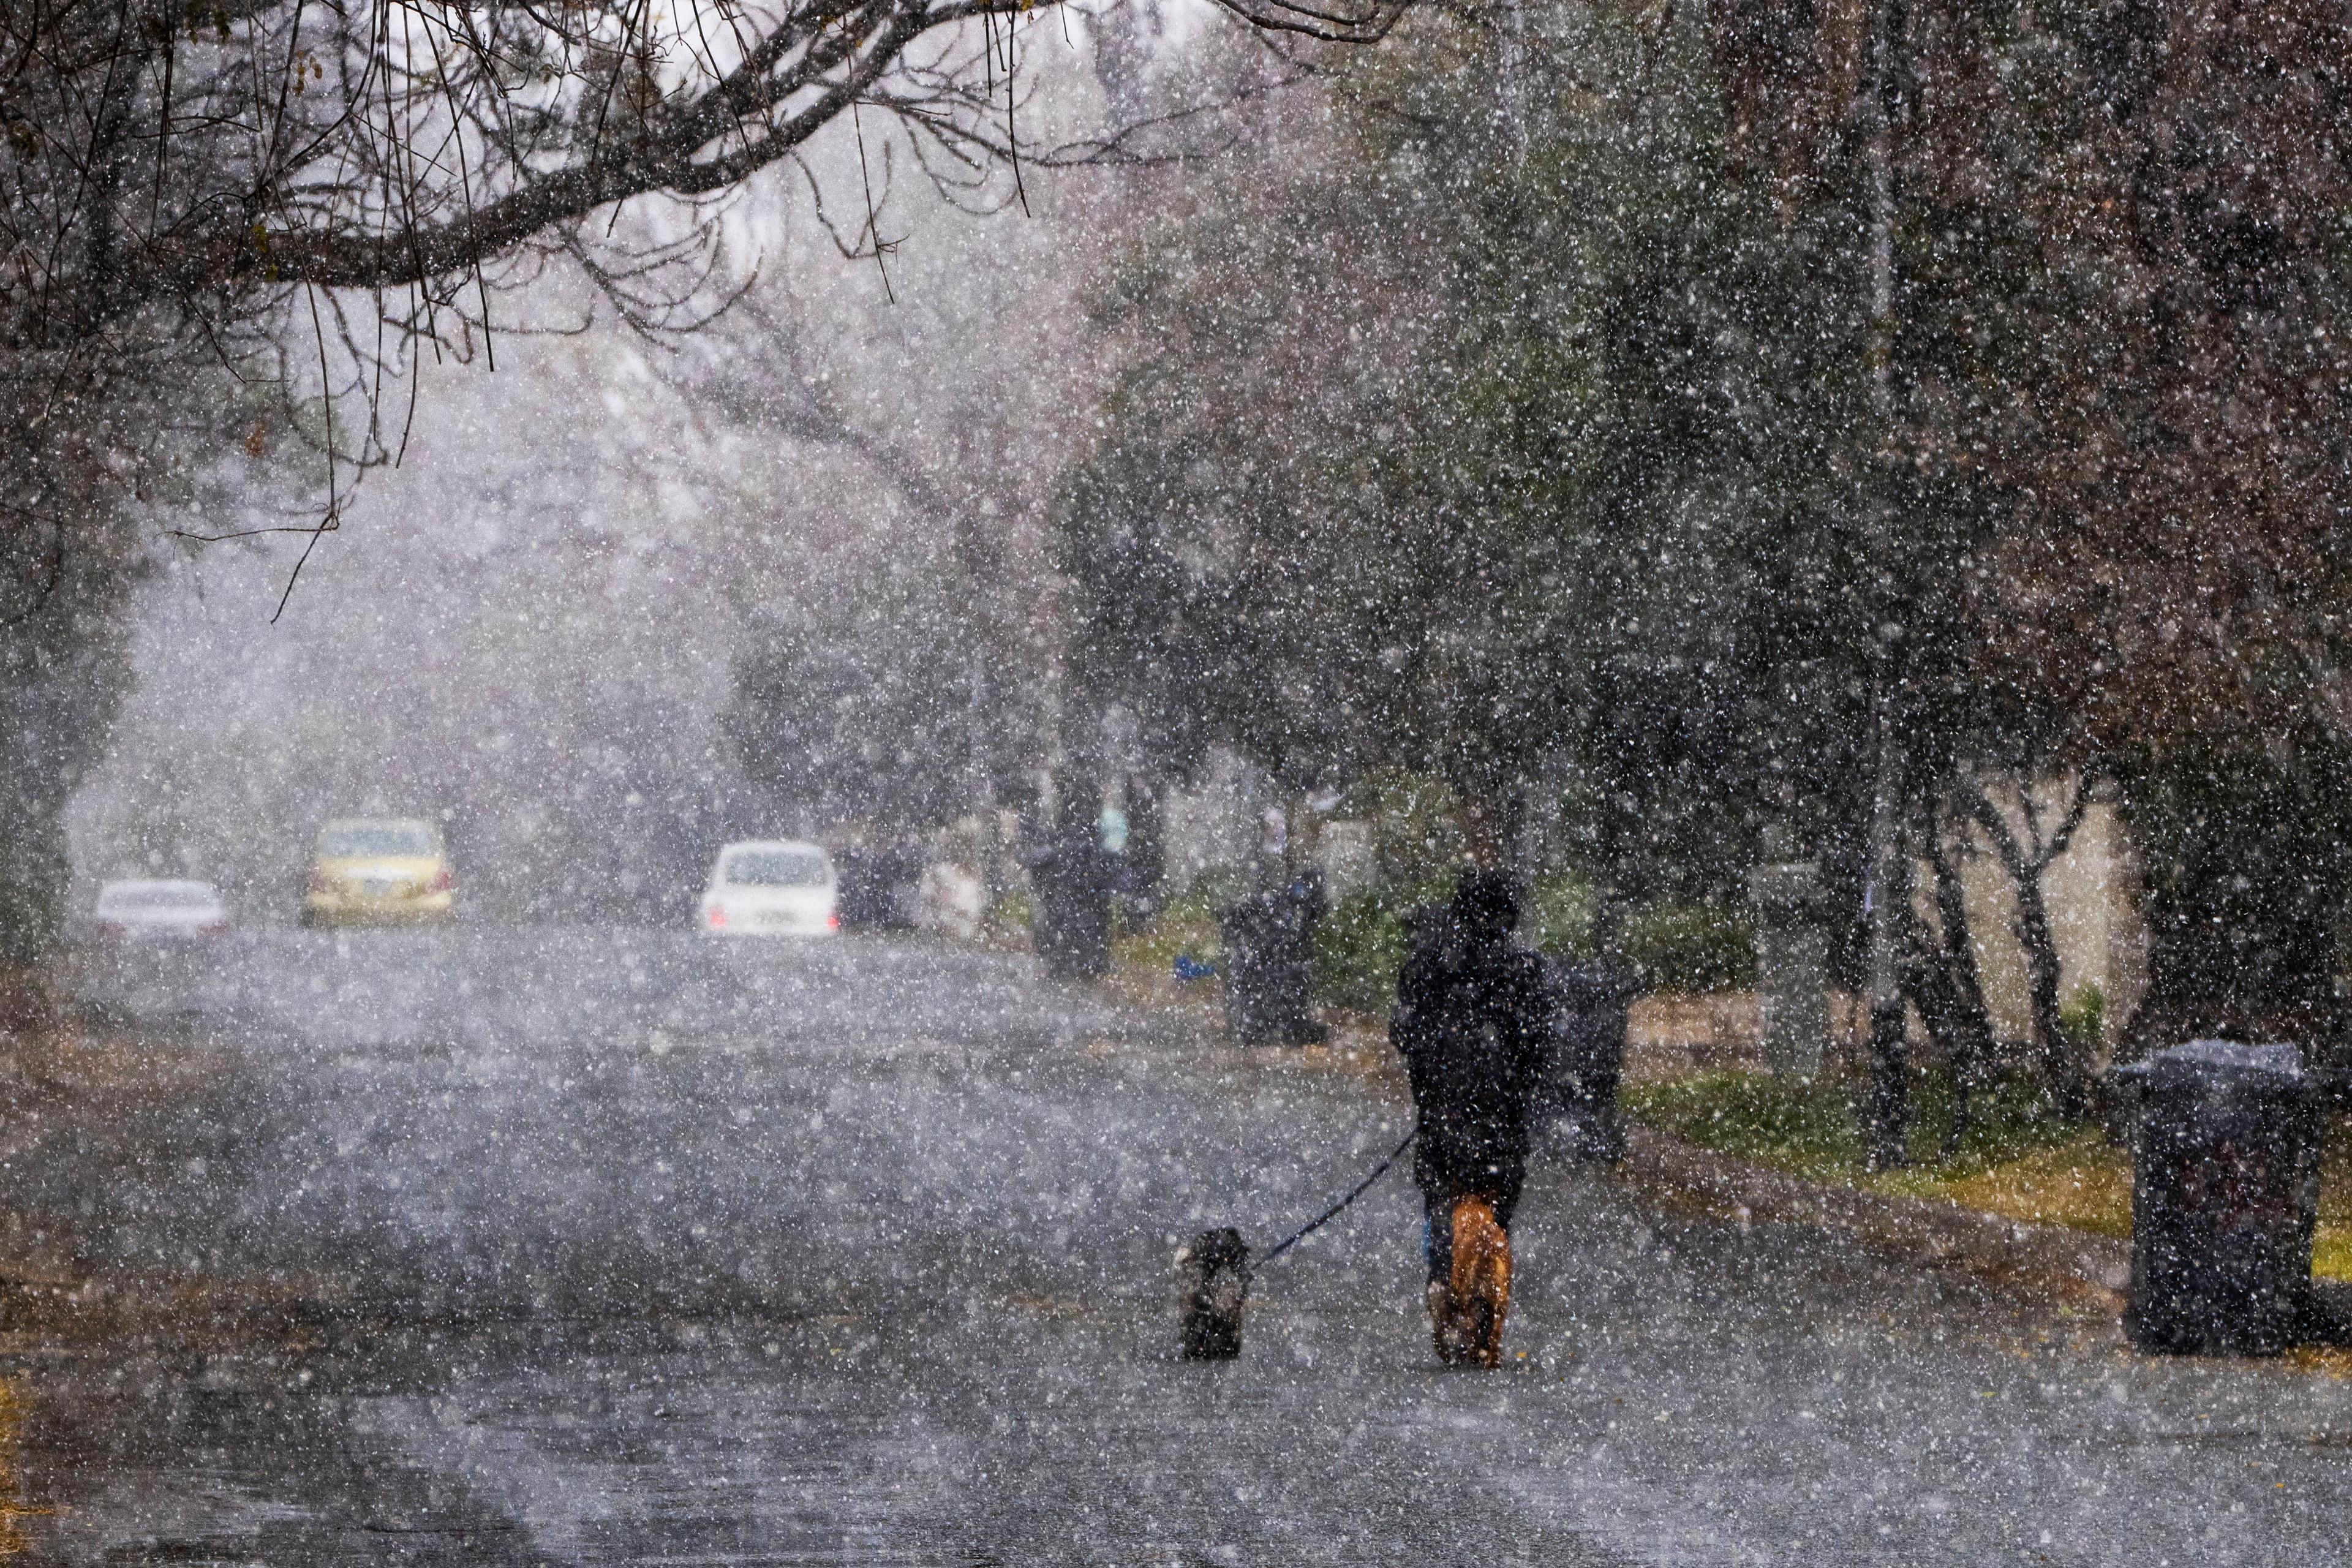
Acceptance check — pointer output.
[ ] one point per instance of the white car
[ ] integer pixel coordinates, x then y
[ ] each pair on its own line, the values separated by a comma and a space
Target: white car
772, 887
172, 910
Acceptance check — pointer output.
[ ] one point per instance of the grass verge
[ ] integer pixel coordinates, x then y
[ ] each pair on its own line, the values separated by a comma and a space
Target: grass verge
13, 1541
2017, 1160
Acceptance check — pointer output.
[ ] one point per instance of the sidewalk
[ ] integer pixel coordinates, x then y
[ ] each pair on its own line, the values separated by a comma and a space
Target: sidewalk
1659, 1168
2077, 1266
2087, 1268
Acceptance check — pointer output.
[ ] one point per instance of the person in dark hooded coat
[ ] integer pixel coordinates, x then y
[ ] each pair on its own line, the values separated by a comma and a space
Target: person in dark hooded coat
1474, 1018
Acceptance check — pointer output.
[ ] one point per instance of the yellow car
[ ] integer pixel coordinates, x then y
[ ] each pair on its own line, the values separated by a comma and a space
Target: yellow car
380, 871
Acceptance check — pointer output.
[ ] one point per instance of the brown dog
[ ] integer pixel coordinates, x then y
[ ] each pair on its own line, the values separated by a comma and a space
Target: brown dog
1466, 1310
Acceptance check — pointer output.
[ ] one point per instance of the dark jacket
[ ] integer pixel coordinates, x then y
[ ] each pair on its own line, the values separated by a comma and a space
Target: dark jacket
1473, 1018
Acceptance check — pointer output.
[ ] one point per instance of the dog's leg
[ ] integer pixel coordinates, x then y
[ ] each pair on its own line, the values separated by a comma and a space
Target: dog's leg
1442, 1337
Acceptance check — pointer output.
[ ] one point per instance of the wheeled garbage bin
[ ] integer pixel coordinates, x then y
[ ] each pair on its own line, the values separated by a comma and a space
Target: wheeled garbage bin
1072, 881
2225, 1191
1269, 940
1271, 965
1588, 1056
1251, 932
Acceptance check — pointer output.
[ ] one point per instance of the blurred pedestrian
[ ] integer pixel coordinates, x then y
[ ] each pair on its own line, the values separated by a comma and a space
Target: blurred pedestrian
1474, 1018
1301, 907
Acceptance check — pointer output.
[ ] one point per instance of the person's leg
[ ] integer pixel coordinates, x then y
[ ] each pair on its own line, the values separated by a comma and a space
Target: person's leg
1437, 1233
1445, 1324
1503, 1191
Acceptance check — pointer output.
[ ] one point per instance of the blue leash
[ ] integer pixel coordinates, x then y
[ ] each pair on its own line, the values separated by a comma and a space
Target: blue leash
1295, 1236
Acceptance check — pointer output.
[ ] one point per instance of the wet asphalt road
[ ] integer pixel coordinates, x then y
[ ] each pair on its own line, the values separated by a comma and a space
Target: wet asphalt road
619, 1247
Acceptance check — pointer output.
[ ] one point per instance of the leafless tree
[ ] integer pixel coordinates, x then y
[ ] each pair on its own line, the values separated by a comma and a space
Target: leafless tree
259, 176
251, 222
1947, 987
2026, 846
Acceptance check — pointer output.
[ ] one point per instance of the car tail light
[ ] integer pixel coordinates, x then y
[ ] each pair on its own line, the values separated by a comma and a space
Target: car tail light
319, 881
718, 917
213, 928
110, 929
441, 882
833, 922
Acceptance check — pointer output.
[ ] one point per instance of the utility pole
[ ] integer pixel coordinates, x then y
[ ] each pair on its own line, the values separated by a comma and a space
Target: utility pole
977, 546
1513, 63
980, 774
1884, 885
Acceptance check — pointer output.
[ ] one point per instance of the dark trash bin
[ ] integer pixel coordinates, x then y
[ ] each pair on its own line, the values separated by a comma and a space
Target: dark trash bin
1247, 930
876, 889
2225, 1191
1071, 881
1588, 1056
1269, 968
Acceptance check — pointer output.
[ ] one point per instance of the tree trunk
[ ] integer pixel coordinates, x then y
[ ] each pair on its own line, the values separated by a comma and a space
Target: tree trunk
1928, 986
1960, 957
1512, 70
2062, 1065
1968, 1041
2067, 1075
1887, 902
